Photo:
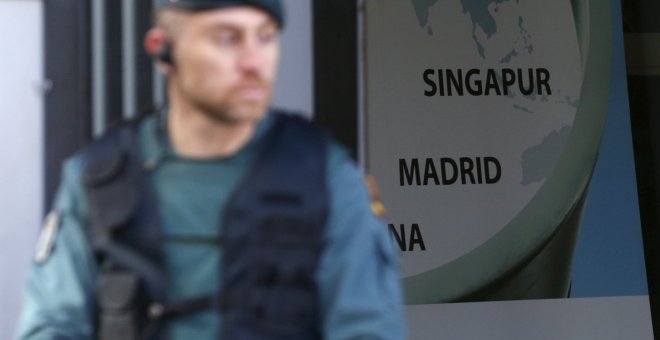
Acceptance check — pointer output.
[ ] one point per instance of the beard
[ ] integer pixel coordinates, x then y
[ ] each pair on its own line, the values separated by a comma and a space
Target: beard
234, 107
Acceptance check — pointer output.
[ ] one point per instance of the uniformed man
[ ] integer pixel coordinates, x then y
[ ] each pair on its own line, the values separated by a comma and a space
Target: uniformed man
219, 217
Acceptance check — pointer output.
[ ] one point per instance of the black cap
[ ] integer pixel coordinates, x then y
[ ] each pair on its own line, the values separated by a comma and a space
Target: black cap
272, 7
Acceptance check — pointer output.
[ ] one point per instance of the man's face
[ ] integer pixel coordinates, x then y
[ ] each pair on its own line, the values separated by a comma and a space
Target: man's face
225, 63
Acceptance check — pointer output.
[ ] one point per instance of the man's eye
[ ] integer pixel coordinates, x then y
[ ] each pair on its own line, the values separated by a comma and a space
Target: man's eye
226, 39
267, 37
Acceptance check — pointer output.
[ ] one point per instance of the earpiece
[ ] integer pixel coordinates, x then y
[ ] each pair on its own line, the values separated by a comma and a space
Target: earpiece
165, 55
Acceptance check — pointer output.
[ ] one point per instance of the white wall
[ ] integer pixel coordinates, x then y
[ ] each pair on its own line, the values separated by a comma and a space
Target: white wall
21, 109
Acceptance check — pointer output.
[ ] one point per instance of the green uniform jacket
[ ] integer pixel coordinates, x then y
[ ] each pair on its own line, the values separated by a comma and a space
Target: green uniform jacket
357, 277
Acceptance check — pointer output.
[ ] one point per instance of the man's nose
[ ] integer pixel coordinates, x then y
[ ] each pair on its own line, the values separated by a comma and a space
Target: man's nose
252, 58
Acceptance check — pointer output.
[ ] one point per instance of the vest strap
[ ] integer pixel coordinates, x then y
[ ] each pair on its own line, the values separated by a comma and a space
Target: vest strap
123, 228
175, 309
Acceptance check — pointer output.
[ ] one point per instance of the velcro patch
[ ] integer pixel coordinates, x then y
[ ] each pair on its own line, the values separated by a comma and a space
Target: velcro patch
47, 237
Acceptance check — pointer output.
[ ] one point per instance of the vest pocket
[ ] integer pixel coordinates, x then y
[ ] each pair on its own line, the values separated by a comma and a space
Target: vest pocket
116, 301
286, 308
281, 271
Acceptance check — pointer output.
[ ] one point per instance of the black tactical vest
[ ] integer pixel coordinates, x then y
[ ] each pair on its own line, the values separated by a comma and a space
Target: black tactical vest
271, 241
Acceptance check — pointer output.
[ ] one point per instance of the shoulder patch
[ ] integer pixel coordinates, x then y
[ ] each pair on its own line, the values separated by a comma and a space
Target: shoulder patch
47, 237
377, 206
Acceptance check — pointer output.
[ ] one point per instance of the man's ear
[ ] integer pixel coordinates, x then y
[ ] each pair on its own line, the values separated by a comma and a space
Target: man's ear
157, 45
